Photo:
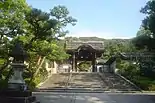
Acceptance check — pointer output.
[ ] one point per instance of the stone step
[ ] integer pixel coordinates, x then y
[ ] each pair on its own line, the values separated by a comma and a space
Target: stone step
84, 90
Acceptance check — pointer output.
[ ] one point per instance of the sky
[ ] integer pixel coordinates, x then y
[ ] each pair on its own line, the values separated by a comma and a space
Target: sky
100, 18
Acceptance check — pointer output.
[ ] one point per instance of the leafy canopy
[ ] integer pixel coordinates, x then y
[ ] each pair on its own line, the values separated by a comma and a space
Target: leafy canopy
146, 35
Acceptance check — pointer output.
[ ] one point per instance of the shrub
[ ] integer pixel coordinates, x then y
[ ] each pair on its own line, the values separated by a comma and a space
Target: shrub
32, 85
152, 87
142, 82
3, 84
84, 66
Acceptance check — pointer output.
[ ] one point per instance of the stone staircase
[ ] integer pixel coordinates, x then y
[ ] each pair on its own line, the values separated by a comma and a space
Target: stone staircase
115, 83
84, 82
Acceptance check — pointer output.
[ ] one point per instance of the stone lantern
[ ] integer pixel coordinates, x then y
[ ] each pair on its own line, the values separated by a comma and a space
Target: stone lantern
17, 91
16, 81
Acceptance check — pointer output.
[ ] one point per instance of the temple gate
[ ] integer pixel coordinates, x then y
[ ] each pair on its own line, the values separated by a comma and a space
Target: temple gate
88, 51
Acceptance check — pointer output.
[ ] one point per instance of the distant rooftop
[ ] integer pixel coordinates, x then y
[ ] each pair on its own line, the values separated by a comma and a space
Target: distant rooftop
97, 45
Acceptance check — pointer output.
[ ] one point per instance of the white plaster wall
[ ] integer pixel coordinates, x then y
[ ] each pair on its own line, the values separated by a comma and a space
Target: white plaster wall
51, 70
99, 67
54, 70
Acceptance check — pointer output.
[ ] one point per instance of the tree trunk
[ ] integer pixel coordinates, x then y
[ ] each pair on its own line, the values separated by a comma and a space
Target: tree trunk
37, 69
39, 66
38, 62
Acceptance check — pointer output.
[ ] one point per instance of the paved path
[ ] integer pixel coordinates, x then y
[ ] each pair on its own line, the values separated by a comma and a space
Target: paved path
49, 97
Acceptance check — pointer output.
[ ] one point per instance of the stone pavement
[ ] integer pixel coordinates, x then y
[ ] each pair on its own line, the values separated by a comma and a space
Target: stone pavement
49, 97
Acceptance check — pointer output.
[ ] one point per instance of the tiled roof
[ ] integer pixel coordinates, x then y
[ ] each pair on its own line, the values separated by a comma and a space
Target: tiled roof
137, 55
110, 60
97, 45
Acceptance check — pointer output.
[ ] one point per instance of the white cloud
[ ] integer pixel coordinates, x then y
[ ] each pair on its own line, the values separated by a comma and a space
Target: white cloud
105, 35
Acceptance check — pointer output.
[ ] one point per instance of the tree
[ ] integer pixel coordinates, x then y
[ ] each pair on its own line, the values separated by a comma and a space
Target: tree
146, 35
144, 40
12, 18
43, 32
12, 24
115, 47
38, 31
149, 21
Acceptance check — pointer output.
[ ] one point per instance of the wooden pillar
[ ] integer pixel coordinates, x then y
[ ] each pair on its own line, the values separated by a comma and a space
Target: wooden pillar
94, 62
75, 68
73, 62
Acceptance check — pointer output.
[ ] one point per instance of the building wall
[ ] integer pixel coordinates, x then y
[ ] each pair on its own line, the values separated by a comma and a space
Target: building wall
51, 67
105, 68
112, 67
100, 68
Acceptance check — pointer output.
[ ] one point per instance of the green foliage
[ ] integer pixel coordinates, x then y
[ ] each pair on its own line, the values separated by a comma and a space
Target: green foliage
143, 82
129, 69
146, 69
12, 23
4, 78
152, 87
2, 62
32, 85
12, 17
149, 22
62, 14
38, 31
84, 66
114, 47
145, 42
146, 35
45, 28
142, 77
